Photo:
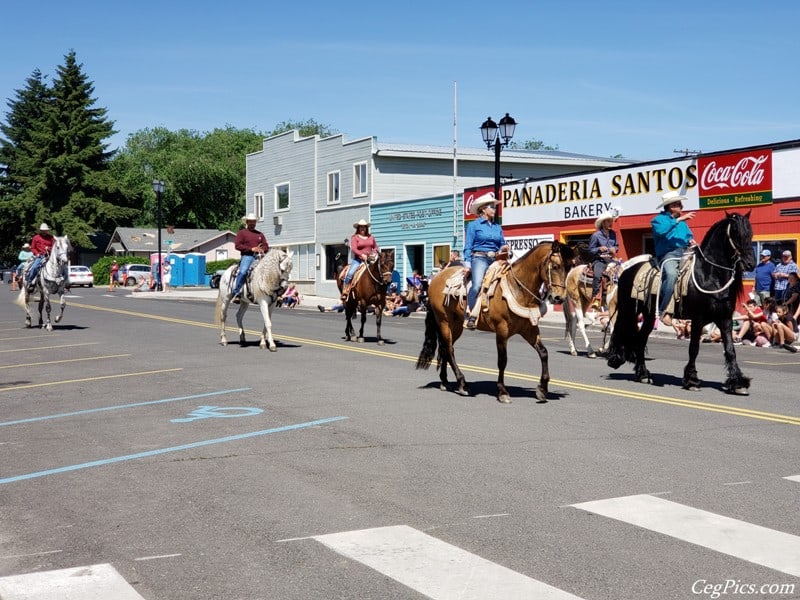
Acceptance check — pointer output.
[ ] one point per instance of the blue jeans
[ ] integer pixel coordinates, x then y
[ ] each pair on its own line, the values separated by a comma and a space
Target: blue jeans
244, 266
599, 266
34, 270
478, 266
669, 276
352, 270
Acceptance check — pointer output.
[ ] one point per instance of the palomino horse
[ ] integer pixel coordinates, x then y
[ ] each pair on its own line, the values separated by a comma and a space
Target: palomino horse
268, 279
537, 276
713, 288
50, 281
579, 297
368, 288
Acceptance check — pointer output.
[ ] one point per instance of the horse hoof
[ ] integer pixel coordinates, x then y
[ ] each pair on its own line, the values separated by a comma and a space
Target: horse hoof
462, 392
380, 342
573, 353
442, 387
592, 355
693, 388
273, 348
741, 391
360, 340
504, 399
58, 319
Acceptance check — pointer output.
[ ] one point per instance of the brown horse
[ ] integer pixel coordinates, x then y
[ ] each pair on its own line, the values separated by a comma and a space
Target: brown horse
579, 297
537, 276
367, 289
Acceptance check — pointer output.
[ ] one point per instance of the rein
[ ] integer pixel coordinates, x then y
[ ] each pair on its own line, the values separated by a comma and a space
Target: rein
549, 285
737, 258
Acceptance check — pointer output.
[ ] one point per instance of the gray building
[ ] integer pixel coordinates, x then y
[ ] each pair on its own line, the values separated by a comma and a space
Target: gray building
308, 192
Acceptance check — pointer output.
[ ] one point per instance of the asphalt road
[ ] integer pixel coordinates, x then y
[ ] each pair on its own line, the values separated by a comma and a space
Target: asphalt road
330, 469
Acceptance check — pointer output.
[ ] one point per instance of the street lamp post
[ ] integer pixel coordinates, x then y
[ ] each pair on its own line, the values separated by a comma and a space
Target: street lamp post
498, 137
158, 188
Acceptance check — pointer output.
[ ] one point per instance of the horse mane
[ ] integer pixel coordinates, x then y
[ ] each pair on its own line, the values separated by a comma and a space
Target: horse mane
271, 273
715, 242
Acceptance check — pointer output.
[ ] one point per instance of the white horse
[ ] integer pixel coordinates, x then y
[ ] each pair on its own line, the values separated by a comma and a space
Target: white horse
268, 279
50, 281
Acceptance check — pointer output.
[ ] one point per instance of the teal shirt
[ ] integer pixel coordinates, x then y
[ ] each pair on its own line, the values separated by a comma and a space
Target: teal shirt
669, 233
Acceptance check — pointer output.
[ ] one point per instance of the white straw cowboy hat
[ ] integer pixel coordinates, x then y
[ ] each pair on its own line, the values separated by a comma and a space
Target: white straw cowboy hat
474, 207
44, 227
604, 217
670, 198
26, 246
361, 223
249, 217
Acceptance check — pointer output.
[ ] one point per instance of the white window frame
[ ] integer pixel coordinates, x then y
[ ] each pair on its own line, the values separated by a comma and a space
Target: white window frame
258, 205
360, 187
334, 187
288, 196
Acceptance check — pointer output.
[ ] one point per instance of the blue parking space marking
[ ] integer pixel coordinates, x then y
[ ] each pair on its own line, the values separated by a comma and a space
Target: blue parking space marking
122, 406
219, 412
117, 459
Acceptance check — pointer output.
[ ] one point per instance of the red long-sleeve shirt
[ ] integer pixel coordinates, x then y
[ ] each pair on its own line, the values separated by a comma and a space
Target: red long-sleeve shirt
246, 240
42, 243
362, 247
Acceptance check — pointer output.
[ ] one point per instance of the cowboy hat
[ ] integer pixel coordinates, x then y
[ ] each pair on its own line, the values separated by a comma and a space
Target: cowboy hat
475, 206
249, 217
25, 246
604, 217
361, 223
670, 198
44, 227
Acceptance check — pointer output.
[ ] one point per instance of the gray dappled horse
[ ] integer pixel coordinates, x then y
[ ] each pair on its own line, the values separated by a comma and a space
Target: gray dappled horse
50, 281
268, 279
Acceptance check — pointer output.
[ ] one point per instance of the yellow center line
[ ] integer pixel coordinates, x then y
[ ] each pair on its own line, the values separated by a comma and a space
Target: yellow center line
66, 360
616, 392
85, 379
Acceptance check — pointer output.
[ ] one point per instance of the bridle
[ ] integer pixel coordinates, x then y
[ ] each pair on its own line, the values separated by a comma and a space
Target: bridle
735, 259
549, 285
384, 275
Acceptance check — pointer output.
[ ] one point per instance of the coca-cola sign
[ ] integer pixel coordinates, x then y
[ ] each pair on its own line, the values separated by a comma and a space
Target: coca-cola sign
731, 180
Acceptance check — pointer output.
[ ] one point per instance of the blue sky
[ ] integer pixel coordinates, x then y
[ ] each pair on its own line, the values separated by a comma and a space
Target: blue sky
640, 79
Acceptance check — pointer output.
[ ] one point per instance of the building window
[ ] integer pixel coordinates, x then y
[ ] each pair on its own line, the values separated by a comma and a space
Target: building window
360, 179
258, 206
441, 256
282, 196
333, 187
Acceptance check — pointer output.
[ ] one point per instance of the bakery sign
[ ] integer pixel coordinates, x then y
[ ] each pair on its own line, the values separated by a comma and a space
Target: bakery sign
731, 180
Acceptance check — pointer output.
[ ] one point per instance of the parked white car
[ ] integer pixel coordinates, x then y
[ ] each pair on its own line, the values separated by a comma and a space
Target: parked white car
80, 275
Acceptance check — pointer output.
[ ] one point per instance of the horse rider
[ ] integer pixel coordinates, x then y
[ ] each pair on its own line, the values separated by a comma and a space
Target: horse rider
41, 244
484, 241
672, 236
603, 248
22, 257
250, 242
362, 244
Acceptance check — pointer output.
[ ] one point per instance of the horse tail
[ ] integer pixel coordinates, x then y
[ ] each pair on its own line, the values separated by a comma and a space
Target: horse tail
431, 341
20, 299
626, 327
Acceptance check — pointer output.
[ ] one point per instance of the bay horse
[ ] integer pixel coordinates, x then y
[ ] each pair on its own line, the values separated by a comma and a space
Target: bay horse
714, 286
50, 281
268, 279
579, 298
537, 276
368, 288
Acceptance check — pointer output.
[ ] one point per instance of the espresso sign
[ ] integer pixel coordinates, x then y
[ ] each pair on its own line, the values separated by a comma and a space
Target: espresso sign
731, 180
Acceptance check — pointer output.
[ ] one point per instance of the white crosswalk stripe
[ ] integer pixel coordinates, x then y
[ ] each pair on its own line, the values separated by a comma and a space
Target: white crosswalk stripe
435, 568
768, 547
793, 478
95, 582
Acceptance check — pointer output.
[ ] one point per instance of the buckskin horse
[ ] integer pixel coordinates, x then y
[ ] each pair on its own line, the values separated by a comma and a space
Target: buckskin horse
368, 288
514, 308
268, 279
50, 281
714, 286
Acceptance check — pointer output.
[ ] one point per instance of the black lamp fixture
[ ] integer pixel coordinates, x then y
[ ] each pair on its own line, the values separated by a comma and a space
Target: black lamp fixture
497, 137
158, 188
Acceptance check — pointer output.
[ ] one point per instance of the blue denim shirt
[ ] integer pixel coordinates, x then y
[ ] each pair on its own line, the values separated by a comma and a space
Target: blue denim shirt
482, 236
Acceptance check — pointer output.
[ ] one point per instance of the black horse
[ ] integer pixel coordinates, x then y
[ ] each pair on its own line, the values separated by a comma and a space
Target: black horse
714, 286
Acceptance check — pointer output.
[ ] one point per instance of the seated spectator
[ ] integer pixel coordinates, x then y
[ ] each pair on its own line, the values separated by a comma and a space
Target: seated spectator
792, 297
682, 327
754, 323
291, 296
784, 330
146, 285
335, 308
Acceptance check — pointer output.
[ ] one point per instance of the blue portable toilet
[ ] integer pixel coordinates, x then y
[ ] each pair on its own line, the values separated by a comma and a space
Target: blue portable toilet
194, 269
176, 270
